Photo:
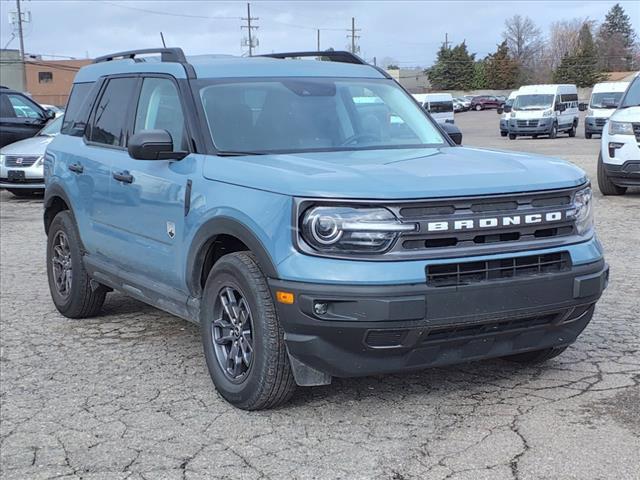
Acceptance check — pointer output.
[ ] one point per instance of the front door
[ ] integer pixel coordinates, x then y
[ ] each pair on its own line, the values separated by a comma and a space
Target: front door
19, 118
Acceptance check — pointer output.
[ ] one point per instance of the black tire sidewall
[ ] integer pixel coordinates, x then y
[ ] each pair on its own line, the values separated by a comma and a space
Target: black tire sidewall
230, 272
63, 221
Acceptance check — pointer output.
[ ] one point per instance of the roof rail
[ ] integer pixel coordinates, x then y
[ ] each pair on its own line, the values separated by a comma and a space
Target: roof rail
332, 55
168, 55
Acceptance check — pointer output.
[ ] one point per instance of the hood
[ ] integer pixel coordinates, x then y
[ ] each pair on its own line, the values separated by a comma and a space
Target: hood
629, 114
602, 112
530, 114
28, 146
396, 174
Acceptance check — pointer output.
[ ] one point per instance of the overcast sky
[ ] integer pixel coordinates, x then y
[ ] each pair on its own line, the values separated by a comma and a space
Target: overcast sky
410, 32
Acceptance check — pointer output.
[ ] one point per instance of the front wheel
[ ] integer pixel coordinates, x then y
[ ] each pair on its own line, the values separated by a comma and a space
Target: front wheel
512, 136
241, 335
71, 289
572, 132
554, 131
588, 135
503, 134
478, 108
607, 187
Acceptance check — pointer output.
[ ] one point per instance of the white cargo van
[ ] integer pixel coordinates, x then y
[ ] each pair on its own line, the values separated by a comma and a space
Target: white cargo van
605, 98
439, 105
544, 110
504, 117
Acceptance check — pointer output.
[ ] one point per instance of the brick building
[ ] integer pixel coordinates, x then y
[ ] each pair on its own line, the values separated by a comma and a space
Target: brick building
49, 81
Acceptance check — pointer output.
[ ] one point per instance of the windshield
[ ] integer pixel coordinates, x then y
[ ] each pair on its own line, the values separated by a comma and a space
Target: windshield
440, 107
52, 128
632, 95
294, 115
606, 99
533, 102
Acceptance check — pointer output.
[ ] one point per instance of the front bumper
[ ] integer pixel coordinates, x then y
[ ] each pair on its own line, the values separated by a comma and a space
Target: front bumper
380, 329
542, 127
594, 125
625, 175
32, 179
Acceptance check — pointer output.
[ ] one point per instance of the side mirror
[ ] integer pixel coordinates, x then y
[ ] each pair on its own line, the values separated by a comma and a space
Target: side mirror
582, 107
560, 107
454, 132
49, 114
506, 108
500, 110
153, 145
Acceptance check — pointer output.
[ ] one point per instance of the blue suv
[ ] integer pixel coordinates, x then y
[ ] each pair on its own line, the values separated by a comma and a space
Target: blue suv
312, 219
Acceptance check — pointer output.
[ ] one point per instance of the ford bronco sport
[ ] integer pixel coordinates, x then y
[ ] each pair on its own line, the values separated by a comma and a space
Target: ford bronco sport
313, 219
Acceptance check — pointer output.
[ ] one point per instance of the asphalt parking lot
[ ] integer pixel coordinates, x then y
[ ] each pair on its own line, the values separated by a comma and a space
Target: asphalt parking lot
127, 395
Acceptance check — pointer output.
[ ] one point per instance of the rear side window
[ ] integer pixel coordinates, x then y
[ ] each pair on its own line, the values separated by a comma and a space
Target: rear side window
23, 107
77, 111
109, 120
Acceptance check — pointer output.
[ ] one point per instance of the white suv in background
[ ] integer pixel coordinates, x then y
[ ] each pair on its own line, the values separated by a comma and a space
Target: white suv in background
619, 159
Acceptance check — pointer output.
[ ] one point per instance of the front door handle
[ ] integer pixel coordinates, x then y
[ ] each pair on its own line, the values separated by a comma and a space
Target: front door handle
124, 176
76, 168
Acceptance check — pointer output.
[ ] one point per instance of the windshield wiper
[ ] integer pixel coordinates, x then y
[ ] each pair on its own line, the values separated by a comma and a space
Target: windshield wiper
231, 153
628, 106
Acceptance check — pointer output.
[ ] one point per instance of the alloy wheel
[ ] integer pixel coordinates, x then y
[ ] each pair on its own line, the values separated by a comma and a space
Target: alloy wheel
232, 334
62, 264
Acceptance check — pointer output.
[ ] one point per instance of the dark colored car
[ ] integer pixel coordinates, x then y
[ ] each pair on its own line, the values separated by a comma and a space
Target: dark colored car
486, 102
20, 117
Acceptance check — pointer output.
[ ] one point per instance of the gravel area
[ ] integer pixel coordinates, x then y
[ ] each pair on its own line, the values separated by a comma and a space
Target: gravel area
127, 395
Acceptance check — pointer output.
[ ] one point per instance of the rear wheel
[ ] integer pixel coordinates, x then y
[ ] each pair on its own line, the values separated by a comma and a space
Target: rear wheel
478, 107
71, 290
241, 335
512, 136
537, 356
572, 132
588, 135
607, 187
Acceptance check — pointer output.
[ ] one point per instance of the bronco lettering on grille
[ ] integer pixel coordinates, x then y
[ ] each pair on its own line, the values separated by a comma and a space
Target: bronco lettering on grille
495, 222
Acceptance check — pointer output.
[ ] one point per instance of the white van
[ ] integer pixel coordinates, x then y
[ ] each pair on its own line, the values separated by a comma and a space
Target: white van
544, 110
605, 98
439, 105
504, 117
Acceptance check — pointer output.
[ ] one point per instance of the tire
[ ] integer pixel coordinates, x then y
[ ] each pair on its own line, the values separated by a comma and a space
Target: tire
534, 136
554, 131
607, 187
512, 136
265, 380
25, 192
588, 135
537, 356
478, 107
572, 132
503, 134
76, 298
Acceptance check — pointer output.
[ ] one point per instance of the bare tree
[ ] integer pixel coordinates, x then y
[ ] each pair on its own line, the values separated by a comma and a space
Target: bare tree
563, 39
525, 43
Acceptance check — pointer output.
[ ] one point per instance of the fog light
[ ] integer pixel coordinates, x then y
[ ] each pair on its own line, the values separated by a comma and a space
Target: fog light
320, 308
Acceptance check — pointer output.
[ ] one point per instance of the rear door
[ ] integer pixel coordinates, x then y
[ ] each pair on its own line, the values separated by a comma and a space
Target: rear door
20, 117
147, 208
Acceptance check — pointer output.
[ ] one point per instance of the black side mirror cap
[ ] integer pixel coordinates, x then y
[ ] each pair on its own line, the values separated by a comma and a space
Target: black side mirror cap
454, 132
506, 108
561, 107
49, 114
582, 107
153, 145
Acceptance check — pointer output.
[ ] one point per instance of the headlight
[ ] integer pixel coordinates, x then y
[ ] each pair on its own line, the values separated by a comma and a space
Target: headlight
1, 159
620, 128
547, 113
589, 113
513, 114
351, 229
582, 212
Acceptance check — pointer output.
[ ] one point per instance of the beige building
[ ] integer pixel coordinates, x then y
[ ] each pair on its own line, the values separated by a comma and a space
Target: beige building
49, 81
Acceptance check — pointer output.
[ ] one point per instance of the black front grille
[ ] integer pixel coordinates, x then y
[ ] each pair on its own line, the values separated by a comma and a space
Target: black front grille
20, 160
465, 273
385, 338
600, 122
527, 123
636, 130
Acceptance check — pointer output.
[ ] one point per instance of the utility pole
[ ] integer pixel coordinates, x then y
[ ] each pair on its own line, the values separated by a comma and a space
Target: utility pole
446, 41
251, 42
318, 42
354, 48
21, 37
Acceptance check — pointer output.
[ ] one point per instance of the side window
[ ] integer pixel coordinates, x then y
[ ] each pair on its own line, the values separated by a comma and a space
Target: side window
109, 121
77, 112
23, 107
159, 108
6, 109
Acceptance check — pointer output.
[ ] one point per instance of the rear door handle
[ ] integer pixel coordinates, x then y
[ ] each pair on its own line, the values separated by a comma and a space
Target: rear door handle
76, 168
124, 176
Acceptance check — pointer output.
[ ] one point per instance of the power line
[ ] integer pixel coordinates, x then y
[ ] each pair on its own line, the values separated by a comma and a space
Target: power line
170, 14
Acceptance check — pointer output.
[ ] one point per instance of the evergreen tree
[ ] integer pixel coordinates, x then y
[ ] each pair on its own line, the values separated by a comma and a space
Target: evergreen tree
479, 76
454, 69
616, 40
501, 69
581, 66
